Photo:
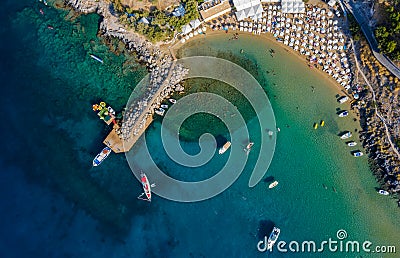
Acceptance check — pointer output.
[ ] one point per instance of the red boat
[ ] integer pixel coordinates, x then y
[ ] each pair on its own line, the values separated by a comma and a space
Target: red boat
146, 195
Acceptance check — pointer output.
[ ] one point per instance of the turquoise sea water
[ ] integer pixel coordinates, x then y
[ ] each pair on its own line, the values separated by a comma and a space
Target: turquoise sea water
55, 205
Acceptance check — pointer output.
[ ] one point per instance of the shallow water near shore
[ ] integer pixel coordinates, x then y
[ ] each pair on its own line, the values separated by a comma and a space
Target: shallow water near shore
52, 195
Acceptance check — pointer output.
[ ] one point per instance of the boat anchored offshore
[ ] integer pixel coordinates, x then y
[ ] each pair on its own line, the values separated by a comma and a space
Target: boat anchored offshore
248, 147
101, 156
357, 154
273, 237
346, 135
146, 195
351, 143
273, 184
96, 58
383, 192
224, 148
343, 113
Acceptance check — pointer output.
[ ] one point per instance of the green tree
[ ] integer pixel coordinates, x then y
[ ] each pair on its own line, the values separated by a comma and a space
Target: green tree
381, 32
390, 46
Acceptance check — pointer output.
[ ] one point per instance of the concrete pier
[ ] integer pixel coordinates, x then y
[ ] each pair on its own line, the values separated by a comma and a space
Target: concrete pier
139, 115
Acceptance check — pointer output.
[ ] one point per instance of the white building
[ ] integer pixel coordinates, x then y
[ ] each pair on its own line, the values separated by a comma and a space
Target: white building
293, 6
248, 9
193, 24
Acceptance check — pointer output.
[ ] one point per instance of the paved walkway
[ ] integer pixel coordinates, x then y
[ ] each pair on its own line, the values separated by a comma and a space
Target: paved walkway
355, 9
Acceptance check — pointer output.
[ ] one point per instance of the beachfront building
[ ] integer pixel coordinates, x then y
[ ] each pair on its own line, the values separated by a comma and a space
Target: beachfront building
193, 24
211, 10
179, 11
248, 9
293, 6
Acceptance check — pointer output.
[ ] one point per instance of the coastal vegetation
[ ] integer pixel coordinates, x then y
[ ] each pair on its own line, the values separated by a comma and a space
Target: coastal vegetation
156, 25
388, 33
354, 27
383, 160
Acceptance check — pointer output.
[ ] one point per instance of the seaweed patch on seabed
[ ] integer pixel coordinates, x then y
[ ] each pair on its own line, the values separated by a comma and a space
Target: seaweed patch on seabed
198, 124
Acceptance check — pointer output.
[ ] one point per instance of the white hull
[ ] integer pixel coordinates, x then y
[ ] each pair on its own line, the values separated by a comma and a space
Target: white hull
273, 237
343, 99
224, 148
273, 184
146, 188
101, 156
346, 135
383, 192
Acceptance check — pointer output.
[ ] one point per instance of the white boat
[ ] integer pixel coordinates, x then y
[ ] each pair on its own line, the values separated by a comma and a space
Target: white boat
343, 113
343, 99
357, 154
173, 101
248, 147
160, 111
96, 58
164, 106
346, 135
273, 237
146, 195
351, 144
383, 192
101, 156
224, 148
273, 184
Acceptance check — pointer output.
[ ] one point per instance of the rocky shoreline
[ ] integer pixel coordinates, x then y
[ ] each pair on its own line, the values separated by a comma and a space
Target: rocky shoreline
383, 159
164, 75
383, 155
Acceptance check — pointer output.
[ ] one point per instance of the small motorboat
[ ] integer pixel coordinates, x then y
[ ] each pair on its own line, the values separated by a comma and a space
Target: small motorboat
383, 192
322, 123
351, 143
343, 99
173, 101
357, 154
273, 184
160, 111
315, 125
343, 113
146, 195
101, 156
273, 237
164, 106
248, 147
346, 135
50, 27
224, 148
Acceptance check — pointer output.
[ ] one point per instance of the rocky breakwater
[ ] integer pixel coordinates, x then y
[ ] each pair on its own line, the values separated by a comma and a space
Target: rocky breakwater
164, 80
164, 75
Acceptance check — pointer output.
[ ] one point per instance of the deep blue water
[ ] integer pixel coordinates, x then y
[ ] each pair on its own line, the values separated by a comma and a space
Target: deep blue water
54, 204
